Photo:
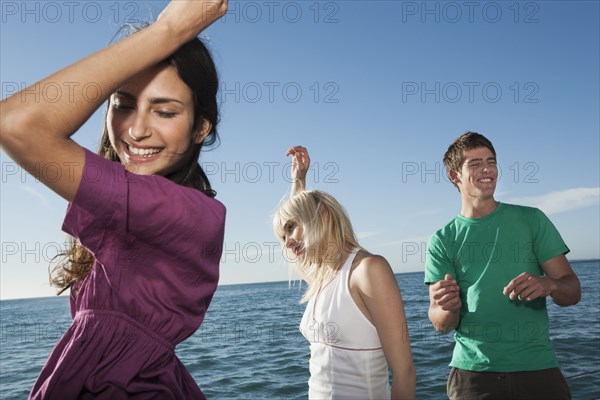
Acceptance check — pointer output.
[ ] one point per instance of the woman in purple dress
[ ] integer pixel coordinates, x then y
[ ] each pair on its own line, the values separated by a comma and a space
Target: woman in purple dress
148, 231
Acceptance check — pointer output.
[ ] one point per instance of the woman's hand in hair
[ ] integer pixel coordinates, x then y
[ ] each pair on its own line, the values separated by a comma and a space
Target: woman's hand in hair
35, 133
190, 17
300, 166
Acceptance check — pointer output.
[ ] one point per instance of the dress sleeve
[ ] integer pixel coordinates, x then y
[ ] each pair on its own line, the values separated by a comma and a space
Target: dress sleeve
438, 262
146, 208
93, 210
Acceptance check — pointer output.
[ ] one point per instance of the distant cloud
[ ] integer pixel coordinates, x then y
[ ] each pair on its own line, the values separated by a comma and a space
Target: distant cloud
557, 202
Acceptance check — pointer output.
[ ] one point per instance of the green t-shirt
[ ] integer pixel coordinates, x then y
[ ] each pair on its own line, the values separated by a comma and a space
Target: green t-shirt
484, 255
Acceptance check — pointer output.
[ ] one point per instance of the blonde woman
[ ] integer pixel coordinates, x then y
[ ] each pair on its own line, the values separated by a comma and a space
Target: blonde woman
354, 319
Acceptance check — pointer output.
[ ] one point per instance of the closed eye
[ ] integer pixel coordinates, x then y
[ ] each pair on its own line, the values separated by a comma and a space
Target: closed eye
289, 227
120, 103
120, 106
164, 114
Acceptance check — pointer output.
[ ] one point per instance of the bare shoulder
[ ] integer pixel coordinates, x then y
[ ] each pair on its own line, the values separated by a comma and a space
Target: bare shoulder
365, 261
370, 269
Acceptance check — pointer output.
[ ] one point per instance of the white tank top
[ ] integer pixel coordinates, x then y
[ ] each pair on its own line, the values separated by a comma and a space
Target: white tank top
346, 357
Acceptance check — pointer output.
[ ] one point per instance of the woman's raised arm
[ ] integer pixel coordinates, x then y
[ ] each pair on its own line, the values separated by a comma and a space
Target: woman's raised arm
35, 132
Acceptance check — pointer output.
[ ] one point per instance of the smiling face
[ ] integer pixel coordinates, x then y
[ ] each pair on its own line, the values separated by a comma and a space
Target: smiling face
150, 121
478, 174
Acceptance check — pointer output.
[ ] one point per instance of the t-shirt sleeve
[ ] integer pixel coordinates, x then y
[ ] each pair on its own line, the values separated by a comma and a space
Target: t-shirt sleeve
438, 262
547, 242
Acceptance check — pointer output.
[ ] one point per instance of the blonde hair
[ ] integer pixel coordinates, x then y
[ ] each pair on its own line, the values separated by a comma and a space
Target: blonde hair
328, 236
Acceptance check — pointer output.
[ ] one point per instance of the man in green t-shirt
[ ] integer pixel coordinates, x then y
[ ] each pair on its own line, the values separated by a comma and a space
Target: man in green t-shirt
489, 271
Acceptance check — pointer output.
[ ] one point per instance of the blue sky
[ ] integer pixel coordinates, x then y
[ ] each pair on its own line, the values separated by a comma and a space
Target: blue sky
376, 90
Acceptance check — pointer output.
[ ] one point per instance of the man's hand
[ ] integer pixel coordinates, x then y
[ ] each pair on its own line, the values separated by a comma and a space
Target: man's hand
527, 287
446, 294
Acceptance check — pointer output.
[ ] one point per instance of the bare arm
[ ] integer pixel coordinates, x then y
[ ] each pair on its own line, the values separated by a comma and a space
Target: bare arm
37, 132
300, 166
559, 282
381, 295
444, 304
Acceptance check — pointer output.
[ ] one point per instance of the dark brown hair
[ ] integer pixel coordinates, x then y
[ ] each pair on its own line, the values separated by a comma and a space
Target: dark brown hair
197, 70
455, 156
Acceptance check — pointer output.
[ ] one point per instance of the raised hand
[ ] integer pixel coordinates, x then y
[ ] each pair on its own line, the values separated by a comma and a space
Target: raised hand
190, 17
300, 166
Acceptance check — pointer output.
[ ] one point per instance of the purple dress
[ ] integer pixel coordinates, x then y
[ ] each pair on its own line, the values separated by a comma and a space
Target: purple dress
157, 247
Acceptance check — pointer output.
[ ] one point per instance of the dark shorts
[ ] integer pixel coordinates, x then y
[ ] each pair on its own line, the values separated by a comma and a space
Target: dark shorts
544, 384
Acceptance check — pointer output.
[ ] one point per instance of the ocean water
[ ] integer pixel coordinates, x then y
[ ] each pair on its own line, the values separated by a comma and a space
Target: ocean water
249, 346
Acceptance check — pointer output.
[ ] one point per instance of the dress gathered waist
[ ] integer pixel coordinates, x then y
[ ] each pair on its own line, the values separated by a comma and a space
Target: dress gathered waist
82, 316
106, 354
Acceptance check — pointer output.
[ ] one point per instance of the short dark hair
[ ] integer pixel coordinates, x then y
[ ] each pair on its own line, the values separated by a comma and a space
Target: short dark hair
455, 156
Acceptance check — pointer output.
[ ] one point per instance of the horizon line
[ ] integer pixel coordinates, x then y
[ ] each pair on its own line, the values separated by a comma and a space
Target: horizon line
262, 282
